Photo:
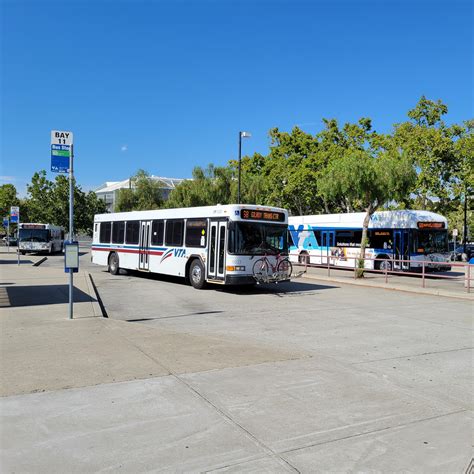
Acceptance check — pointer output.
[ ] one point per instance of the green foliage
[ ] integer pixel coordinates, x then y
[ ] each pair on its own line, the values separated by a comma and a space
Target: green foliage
210, 186
8, 198
48, 202
370, 172
144, 193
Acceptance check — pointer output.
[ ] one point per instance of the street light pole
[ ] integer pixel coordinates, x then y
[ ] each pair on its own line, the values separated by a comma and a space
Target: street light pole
241, 135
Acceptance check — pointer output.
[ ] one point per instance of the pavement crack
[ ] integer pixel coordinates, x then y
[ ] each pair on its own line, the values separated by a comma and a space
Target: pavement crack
413, 355
379, 430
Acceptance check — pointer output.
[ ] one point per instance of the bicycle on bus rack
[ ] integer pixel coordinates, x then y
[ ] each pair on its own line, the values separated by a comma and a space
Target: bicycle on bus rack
264, 272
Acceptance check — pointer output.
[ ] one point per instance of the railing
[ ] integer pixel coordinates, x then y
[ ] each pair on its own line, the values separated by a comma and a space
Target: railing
467, 269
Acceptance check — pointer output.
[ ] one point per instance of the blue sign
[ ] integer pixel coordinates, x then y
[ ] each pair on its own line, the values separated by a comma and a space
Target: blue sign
5, 222
14, 214
60, 155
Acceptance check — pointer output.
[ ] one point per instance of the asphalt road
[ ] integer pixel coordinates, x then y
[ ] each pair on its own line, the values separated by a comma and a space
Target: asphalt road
299, 377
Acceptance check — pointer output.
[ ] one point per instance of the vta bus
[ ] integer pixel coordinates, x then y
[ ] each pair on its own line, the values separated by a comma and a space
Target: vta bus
215, 244
35, 237
400, 239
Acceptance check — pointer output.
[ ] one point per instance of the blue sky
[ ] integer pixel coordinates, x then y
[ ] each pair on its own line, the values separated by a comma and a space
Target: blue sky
167, 85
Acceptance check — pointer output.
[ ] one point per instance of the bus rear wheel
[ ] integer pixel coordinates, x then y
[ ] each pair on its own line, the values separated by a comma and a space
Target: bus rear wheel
196, 274
114, 267
384, 264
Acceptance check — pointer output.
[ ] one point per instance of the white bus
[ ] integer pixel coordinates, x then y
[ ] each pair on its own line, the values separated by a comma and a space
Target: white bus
216, 244
35, 237
393, 236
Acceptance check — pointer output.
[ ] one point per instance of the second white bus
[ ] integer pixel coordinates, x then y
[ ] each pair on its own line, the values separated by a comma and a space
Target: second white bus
36, 237
216, 244
398, 240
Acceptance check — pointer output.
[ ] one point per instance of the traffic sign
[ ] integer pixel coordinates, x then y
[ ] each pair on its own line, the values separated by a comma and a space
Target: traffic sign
61, 144
59, 137
5, 221
14, 214
455, 232
60, 157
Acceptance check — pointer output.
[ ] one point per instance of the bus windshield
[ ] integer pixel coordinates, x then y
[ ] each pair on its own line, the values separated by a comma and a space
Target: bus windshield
254, 238
34, 235
432, 241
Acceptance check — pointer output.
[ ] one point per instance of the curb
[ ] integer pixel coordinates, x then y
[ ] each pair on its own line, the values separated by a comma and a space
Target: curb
97, 306
419, 291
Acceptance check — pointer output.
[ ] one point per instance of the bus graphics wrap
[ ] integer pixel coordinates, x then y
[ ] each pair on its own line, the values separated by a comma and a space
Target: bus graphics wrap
217, 244
402, 240
35, 237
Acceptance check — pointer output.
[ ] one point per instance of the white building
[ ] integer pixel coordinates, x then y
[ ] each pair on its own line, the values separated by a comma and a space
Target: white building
109, 190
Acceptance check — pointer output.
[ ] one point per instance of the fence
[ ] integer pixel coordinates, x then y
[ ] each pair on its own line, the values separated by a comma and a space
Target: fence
426, 270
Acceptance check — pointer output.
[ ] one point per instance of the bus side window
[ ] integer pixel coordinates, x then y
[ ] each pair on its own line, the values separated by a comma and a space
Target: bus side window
317, 236
174, 232
157, 230
196, 230
132, 230
105, 232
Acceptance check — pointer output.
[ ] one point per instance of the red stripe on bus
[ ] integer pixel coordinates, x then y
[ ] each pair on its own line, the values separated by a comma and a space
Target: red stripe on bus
110, 249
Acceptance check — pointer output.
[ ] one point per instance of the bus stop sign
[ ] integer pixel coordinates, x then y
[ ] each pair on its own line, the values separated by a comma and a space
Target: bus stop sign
61, 143
71, 256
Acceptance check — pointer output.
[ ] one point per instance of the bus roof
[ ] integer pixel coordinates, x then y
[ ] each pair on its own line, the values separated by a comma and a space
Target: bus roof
379, 220
231, 211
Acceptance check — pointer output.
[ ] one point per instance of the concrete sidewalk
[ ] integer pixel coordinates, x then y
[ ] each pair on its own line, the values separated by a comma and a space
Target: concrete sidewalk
437, 286
241, 390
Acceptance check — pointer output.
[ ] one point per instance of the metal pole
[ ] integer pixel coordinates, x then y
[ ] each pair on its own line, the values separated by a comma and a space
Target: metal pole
18, 239
240, 159
423, 272
468, 273
465, 219
8, 235
71, 227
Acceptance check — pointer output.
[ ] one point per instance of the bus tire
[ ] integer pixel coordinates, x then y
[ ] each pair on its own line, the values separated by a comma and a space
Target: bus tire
303, 258
384, 264
196, 274
114, 267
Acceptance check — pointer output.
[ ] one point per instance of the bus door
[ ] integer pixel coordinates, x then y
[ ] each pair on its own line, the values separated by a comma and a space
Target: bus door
400, 249
216, 250
143, 243
328, 240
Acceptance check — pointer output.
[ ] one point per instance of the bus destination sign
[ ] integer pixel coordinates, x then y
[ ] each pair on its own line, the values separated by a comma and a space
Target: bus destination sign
430, 225
254, 215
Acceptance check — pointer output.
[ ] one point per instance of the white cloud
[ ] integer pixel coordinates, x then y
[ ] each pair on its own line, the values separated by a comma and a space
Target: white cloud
124, 148
8, 179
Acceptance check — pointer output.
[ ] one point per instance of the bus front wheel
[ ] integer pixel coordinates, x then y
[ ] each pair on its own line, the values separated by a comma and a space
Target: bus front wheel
196, 274
114, 267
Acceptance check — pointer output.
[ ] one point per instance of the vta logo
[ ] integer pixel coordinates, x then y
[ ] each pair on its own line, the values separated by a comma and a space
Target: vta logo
179, 252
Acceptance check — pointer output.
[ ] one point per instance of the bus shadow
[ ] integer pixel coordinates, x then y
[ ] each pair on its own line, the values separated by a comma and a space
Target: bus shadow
15, 262
290, 288
286, 288
44, 295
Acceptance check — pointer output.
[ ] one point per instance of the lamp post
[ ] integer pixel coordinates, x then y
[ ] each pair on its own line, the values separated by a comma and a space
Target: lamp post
241, 135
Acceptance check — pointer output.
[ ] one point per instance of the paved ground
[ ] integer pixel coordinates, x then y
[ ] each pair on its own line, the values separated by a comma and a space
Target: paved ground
311, 377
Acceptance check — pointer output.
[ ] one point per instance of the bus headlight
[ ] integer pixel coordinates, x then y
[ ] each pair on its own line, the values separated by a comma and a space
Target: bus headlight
233, 268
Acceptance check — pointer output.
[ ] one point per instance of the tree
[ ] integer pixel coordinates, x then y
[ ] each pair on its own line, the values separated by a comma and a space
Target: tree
210, 186
8, 198
48, 202
144, 193
370, 173
38, 203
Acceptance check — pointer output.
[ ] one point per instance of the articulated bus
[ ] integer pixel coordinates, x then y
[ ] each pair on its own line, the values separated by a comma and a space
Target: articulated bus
34, 237
215, 244
393, 237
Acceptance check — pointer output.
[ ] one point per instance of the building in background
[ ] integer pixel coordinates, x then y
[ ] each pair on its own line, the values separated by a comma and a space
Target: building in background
109, 190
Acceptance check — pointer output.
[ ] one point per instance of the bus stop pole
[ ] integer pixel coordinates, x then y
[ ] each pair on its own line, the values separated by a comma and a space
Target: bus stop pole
71, 227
